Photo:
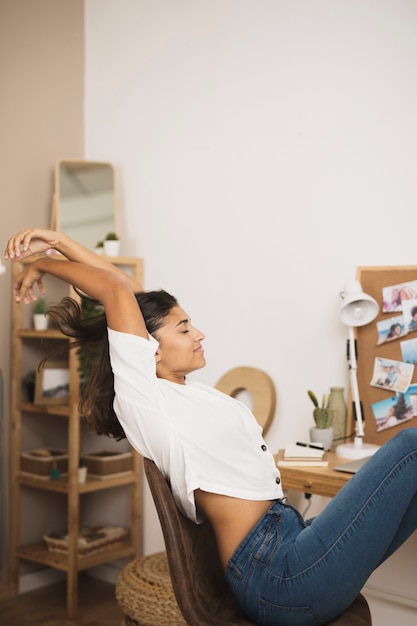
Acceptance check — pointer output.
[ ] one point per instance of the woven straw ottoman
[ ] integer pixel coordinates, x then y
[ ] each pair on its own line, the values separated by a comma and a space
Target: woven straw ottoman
144, 593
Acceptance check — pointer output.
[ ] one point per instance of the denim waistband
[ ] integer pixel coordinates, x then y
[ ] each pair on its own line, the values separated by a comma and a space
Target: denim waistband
275, 509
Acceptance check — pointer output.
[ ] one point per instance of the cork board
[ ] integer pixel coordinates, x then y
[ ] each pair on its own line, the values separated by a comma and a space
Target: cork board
373, 280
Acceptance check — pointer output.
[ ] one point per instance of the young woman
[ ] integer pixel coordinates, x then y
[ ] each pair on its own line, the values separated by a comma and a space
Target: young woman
281, 569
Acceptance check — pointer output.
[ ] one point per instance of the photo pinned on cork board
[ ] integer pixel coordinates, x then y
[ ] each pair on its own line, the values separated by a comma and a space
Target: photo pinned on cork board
392, 375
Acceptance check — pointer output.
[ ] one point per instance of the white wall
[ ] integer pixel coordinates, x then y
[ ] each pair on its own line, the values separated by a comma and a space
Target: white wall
265, 150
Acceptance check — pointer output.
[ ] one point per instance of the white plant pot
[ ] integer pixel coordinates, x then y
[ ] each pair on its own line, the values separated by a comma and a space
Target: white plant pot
40, 321
323, 436
112, 247
82, 474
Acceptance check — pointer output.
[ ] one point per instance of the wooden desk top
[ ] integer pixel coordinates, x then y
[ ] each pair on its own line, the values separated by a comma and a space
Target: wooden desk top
320, 481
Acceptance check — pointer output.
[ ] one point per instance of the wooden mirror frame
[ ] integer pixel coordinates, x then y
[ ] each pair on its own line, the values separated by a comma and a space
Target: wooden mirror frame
88, 177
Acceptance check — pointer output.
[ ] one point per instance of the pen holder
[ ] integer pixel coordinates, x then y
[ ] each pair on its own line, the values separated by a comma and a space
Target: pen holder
322, 435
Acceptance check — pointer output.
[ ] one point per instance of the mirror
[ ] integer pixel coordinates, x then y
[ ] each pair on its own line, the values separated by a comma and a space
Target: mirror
85, 204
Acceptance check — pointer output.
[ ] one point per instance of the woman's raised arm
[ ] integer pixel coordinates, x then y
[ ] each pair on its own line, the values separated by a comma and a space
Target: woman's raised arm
35, 240
112, 289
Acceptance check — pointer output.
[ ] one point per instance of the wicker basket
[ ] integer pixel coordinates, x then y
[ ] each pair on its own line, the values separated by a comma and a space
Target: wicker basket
106, 464
91, 540
144, 593
42, 461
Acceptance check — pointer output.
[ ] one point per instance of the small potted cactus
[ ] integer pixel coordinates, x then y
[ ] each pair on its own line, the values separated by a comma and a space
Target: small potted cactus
99, 249
111, 244
323, 431
40, 321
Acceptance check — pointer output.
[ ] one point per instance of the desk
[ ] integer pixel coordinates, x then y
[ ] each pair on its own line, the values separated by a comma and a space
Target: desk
319, 481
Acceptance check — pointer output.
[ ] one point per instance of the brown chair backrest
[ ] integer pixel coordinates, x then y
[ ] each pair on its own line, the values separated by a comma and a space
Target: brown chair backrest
260, 387
197, 577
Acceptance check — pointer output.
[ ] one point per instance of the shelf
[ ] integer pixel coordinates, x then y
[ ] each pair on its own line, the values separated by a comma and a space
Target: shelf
45, 409
36, 422
108, 483
62, 486
39, 553
50, 333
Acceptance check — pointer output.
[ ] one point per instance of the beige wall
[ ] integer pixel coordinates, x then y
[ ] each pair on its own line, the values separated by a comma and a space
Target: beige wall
41, 121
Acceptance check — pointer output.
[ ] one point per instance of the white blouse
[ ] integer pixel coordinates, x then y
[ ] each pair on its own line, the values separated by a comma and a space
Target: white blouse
199, 437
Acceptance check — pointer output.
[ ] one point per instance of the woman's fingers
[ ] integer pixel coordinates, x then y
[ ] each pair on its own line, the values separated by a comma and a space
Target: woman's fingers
14, 245
29, 241
23, 290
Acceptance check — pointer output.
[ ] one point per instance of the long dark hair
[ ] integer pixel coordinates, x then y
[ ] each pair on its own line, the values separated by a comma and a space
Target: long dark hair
86, 325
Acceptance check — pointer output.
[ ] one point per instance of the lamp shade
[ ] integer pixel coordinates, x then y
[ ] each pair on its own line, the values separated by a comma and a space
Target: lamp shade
358, 309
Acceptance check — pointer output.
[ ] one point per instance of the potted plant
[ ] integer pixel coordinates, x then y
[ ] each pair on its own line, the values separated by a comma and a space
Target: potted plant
323, 417
99, 249
111, 244
40, 321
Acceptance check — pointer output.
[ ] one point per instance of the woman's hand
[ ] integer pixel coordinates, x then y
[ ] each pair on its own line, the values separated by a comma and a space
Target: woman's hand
35, 240
30, 241
23, 286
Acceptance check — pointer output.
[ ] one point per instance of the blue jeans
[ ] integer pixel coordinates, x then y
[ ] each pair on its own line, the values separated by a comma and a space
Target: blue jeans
289, 572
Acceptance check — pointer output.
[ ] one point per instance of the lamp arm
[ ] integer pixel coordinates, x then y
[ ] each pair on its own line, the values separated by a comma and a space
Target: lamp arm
354, 383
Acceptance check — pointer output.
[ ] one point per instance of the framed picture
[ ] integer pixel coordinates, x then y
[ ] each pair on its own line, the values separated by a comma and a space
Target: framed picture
52, 384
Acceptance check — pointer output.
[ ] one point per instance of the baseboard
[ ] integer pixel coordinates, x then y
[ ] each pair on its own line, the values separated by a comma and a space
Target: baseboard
48, 576
388, 596
40, 578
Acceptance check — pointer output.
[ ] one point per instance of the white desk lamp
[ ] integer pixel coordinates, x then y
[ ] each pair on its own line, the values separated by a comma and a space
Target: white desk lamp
358, 309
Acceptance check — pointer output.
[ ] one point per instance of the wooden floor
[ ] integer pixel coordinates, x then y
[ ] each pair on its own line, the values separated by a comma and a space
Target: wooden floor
97, 606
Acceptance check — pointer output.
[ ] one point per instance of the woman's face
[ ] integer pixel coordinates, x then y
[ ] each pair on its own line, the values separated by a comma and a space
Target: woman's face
180, 351
395, 296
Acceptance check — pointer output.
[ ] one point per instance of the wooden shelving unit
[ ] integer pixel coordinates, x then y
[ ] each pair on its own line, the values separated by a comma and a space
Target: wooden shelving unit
66, 485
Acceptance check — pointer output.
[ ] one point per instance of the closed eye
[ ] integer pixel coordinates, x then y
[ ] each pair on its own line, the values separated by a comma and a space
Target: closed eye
183, 324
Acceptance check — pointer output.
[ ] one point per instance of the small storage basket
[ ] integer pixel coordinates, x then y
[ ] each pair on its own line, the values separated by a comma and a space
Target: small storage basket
42, 461
91, 540
105, 464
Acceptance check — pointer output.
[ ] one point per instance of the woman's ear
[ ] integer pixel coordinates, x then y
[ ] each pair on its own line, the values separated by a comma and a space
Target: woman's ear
157, 356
